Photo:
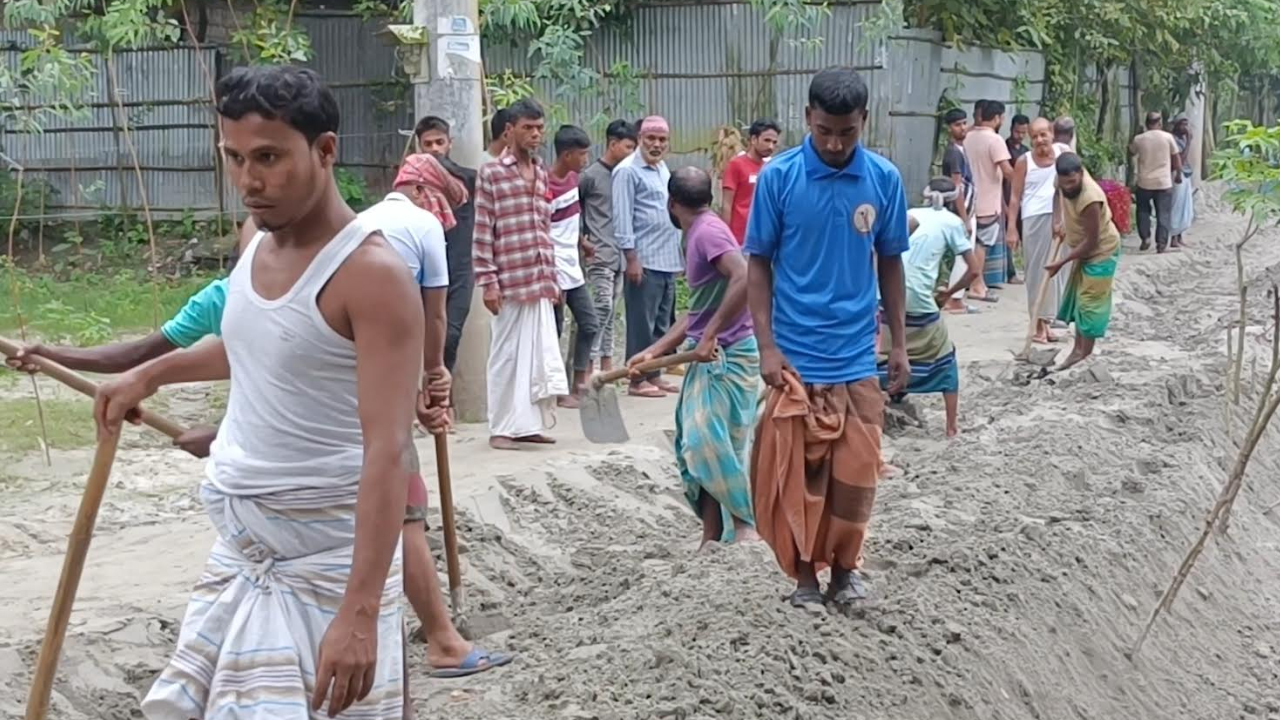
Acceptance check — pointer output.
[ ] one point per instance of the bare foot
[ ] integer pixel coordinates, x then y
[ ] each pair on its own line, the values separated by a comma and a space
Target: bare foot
952, 431
708, 546
503, 443
645, 390
569, 402
666, 387
536, 439
442, 655
745, 535
606, 364
888, 471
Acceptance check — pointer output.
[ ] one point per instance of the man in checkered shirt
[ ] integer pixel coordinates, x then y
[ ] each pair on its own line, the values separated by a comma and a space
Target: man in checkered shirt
515, 268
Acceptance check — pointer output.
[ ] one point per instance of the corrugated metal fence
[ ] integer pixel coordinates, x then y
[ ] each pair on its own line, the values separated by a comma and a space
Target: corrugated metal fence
165, 97
703, 65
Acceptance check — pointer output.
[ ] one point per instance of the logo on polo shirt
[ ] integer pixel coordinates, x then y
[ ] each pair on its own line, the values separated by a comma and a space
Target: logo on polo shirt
864, 218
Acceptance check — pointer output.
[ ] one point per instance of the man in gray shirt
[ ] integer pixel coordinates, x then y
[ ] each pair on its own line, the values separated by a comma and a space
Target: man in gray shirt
605, 267
651, 244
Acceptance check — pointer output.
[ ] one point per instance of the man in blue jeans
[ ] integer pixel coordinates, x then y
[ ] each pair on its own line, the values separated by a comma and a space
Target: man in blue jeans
650, 242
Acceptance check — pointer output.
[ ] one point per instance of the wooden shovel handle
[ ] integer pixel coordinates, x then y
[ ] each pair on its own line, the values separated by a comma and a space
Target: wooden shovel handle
1040, 296
72, 567
85, 386
661, 363
450, 524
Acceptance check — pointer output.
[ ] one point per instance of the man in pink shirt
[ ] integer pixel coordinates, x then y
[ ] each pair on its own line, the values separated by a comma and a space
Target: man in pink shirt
739, 184
990, 163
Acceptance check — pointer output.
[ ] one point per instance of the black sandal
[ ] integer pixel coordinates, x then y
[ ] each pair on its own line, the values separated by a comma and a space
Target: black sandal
808, 599
849, 590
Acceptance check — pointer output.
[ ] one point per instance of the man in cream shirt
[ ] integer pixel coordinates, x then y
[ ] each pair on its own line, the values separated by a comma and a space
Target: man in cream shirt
1158, 158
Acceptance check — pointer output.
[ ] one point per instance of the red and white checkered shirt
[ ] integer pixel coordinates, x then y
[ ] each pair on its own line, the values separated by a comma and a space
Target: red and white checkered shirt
512, 244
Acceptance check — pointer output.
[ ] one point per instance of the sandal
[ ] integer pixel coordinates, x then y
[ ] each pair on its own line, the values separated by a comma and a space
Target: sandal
809, 599
848, 590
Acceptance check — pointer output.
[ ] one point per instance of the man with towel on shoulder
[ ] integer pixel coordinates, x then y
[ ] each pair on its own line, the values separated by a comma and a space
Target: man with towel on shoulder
828, 219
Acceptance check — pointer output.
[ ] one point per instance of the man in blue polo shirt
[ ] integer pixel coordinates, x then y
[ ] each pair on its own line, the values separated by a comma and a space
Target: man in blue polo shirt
829, 218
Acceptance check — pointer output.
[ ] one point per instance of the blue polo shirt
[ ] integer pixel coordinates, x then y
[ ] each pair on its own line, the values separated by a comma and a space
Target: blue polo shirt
820, 227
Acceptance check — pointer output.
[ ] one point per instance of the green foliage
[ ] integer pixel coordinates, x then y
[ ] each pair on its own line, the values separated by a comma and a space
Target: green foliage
268, 36
352, 187
1248, 161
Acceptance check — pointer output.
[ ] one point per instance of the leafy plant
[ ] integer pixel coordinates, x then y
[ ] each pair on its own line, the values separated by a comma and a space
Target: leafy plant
352, 188
269, 37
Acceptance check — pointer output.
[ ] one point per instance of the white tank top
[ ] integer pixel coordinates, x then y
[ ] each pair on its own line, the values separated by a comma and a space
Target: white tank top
1037, 193
292, 420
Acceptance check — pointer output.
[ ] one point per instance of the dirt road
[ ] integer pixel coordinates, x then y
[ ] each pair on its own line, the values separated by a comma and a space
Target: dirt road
1013, 567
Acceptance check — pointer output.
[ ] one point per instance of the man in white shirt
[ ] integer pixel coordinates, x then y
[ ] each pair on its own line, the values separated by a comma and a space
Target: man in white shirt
572, 147
406, 220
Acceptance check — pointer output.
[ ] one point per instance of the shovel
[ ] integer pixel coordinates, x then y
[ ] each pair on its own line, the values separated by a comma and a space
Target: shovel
601, 417
1025, 355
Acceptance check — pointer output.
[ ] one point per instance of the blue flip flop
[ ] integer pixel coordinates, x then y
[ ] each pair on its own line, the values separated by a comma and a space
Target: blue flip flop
477, 661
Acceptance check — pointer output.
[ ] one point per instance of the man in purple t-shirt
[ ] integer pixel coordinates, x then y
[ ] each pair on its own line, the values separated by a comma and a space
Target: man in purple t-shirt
717, 408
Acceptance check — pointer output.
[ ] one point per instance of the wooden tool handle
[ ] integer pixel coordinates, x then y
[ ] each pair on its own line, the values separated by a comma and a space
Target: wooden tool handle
447, 517
1040, 295
661, 363
85, 386
72, 567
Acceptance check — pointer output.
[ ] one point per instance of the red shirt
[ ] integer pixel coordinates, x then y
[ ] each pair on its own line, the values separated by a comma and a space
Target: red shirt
512, 244
740, 177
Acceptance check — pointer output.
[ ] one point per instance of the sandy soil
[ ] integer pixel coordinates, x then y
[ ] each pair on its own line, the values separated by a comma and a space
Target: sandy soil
1012, 567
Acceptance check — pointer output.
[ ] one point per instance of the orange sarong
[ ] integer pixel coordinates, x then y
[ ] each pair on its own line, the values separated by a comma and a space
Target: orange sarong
814, 468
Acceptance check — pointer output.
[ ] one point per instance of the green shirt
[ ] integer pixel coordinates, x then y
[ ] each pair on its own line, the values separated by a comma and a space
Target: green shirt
201, 316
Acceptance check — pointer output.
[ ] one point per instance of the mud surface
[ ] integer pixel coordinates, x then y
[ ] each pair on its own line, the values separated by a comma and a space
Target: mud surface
1013, 568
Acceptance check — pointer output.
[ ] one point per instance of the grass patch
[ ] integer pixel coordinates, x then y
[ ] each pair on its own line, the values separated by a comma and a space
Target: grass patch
92, 309
69, 423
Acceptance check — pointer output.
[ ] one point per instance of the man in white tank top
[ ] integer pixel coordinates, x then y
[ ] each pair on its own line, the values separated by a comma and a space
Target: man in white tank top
1034, 185
297, 608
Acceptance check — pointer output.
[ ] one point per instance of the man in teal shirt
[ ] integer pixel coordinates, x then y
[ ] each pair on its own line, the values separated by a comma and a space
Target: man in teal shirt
199, 318
829, 219
935, 229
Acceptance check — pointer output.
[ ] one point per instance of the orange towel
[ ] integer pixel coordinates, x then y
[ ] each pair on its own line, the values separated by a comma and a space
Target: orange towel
814, 468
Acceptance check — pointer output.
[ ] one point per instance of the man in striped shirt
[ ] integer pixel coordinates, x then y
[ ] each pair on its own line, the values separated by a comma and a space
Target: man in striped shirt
651, 244
572, 148
515, 266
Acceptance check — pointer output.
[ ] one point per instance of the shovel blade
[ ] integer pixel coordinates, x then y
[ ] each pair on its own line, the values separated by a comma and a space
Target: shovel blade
601, 416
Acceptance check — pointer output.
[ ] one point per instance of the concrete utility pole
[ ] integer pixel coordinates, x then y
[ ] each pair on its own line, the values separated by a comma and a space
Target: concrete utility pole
450, 83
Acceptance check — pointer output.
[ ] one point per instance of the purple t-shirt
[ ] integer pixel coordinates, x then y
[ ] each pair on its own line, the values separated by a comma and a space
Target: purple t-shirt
706, 240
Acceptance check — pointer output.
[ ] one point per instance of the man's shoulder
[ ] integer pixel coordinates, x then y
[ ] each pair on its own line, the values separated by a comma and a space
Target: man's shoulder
787, 161
882, 167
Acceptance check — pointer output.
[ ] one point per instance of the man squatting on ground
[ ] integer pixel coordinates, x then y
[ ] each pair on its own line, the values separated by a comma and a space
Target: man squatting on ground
606, 266
936, 229
652, 247
323, 336
572, 153
717, 405
516, 268
1093, 245
828, 219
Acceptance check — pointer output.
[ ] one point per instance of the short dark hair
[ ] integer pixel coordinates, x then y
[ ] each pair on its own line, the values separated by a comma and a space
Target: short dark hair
838, 91
1153, 119
498, 123
293, 95
980, 110
993, 108
1069, 164
690, 187
953, 116
524, 109
1021, 119
431, 122
1064, 128
942, 185
620, 130
760, 126
571, 137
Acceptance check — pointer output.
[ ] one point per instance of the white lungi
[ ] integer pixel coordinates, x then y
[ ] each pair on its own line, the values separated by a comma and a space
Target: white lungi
526, 371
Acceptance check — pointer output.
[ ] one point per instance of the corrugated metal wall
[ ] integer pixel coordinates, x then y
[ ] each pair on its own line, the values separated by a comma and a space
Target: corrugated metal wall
166, 98
703, 65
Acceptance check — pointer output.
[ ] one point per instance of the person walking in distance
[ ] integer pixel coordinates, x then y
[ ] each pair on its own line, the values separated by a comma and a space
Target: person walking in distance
828, 220
434, 138
1184, 211
955, 165
989, 159
718, 402
1093, 245
1019, 130
298, 606
739, 184
516, 269
1034, 185
1159, 169
606, 265
572, 147
651, 245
